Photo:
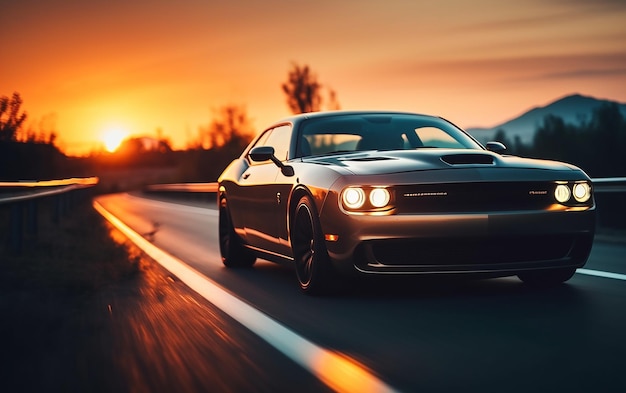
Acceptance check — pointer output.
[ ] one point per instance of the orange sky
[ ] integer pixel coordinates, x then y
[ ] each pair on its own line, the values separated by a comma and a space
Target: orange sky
84, 68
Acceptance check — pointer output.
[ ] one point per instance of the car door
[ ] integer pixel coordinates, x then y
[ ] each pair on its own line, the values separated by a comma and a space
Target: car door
264, 196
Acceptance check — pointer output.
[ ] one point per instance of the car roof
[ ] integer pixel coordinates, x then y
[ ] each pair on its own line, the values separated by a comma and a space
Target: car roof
313, 115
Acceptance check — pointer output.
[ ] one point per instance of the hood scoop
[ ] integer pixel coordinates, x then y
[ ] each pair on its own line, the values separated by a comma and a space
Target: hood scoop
468, 159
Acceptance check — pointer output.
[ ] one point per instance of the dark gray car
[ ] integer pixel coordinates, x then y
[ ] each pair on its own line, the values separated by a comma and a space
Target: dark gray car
394, 193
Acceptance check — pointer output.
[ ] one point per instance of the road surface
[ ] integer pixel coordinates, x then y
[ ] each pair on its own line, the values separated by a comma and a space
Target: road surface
415, 336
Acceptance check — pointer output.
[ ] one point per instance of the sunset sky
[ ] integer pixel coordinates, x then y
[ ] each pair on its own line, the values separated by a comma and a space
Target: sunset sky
88, 68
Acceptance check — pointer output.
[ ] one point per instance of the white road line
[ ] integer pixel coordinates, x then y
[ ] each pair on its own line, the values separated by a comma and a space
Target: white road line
335, 369
598, 273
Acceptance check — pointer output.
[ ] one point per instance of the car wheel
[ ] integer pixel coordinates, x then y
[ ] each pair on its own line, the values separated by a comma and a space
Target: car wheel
234, 254
310, 255
547, 278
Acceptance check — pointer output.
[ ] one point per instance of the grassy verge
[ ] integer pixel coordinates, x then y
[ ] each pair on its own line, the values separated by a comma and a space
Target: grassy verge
76, 256
53, 311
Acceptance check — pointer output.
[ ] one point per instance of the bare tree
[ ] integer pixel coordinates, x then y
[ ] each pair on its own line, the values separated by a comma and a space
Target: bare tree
11, 120
303, 90
333, 102
45, 133
230, 127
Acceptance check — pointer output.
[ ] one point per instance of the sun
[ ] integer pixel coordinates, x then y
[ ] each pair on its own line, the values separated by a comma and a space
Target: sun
112, 139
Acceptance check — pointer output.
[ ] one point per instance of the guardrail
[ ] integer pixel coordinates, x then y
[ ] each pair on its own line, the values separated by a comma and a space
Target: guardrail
183, 187
23, 197
609, 184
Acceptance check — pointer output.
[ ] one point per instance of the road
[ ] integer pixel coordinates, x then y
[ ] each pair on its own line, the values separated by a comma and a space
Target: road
419, 336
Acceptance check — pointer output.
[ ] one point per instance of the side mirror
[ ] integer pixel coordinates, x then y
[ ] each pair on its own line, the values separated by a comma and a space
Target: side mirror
266, 153
496, 147
261, 153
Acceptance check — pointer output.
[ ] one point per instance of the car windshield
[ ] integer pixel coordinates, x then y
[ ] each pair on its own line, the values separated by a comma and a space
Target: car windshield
360, 132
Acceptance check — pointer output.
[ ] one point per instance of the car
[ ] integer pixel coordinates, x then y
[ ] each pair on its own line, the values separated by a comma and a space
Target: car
395, 193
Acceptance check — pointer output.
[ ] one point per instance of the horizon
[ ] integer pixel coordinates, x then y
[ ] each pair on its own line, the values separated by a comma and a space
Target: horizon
85, 70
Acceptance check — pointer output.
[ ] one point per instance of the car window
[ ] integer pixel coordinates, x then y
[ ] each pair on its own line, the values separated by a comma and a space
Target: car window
279, 138
436, 137
330, 143
263, 138
360, 132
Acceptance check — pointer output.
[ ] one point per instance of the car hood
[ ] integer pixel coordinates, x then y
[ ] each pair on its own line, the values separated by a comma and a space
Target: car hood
398, 161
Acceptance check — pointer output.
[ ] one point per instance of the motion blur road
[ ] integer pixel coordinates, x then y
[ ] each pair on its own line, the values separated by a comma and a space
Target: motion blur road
417, 335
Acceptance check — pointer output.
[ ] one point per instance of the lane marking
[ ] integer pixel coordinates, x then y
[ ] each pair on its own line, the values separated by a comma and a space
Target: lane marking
599, 273
335, 369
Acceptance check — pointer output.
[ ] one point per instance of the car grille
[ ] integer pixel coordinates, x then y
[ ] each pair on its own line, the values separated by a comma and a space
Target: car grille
470, 251
474, 197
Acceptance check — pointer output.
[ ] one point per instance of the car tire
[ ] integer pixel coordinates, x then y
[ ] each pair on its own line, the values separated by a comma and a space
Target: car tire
547, 278
310, 255
234, 254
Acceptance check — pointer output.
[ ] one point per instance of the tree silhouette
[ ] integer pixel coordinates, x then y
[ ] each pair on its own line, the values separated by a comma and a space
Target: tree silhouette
217, 144
303, 90
605, 140
333, 102
231, 126
11, 120
597, 146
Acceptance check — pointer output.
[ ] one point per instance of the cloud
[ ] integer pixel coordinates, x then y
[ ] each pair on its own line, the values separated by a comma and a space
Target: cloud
586, 73
597, 5
531, 15
502, 70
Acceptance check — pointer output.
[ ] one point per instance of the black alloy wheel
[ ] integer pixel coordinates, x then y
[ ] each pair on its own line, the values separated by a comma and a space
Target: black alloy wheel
234, 254
311, 257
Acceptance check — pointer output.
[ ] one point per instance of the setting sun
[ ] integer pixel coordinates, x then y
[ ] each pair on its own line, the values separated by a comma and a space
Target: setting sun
112, 139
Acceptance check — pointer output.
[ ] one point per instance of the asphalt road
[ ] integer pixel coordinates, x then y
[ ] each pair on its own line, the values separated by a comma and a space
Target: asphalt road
417, 335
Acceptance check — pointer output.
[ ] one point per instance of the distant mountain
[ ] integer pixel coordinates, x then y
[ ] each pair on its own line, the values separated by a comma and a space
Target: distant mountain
573, 109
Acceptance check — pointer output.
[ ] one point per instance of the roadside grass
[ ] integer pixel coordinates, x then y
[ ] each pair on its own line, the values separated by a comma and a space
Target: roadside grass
53, 314
76, 256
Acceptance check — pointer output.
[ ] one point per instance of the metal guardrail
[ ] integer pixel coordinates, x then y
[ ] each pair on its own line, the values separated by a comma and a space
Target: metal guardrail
183, 187
609, 184
23, 197
59, 187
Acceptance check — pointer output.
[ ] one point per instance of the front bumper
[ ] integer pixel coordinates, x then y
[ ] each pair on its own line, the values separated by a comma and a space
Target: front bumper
501, 243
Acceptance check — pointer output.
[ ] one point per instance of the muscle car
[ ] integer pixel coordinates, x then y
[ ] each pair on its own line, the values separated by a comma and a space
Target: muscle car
393, 193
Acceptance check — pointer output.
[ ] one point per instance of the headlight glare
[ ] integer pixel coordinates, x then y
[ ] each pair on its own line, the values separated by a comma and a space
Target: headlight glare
367, 199
562, 193
582, 192
379, 197
353, 197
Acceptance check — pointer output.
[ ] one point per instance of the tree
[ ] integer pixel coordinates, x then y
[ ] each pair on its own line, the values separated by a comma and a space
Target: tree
333, 102
303, 90
230, 127
11, 120
217, 144
597, 146
605, 137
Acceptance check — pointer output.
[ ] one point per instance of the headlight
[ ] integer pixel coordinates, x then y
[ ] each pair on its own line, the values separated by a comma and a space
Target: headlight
379, 197
582, 192
562, 193
367, 199
573, 193
353, 197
